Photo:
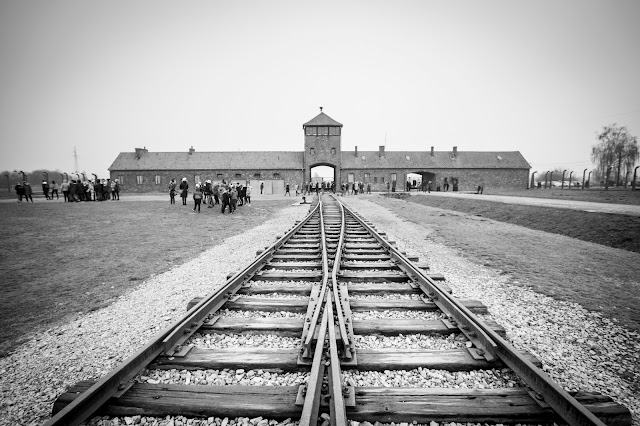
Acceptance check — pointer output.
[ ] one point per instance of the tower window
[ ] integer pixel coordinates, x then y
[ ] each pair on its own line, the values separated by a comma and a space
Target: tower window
311, 131
334, 131
323, 131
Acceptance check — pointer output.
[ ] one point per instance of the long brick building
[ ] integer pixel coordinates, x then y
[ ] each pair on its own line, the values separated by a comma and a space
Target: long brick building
145, 171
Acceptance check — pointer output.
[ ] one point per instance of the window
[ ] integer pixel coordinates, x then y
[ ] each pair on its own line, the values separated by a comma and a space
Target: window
334, 131
394, 177
367, 177
351, 178
219, 176
312, 151
158, 180
382, 179
323, 131
333, 151
276, 175
375, 179
256, 175
139, 179
120, 179
311, 131
196, 178
238, 175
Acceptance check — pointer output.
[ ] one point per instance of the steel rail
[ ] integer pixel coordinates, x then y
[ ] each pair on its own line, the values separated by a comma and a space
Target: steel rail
346, 342
116, 380
312, 400
571, 411
310, 331
337, 407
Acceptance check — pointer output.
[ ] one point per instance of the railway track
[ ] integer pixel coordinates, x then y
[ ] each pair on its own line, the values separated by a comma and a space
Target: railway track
302, 331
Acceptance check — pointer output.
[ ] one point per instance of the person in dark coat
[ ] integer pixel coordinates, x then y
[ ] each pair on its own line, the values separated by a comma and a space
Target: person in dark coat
172, 191
184, 191
225, 200
19, 191
28, 191
45, 189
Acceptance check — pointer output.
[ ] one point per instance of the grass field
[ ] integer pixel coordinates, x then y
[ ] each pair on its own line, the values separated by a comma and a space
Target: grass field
613, 230
596, 195
60, 259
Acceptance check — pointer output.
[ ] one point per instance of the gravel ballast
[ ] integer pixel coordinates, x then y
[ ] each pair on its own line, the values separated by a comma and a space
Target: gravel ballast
579, 349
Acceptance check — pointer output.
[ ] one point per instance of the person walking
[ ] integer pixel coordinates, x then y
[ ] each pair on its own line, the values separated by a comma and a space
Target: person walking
248, 193
287, 191
172, 191
54, 190
233, 199
65, 191
368, 188
197, 198
28, 191
19, 191
184, 191
224, 197
118, 189
45, 189
429, 187
113, 190
296, 188
261, 187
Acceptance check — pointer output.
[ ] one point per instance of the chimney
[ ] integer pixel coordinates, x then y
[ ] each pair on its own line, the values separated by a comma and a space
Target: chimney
381, 151
455, 151
356, 153
432, 151
191, 150
140, 152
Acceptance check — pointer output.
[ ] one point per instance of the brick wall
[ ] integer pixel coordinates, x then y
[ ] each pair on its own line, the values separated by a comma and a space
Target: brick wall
129, 178
468, 179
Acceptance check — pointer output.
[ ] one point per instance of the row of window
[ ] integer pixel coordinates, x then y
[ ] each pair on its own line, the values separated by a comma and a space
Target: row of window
220, 177
312, 151
322, 131
196, 178
367, 178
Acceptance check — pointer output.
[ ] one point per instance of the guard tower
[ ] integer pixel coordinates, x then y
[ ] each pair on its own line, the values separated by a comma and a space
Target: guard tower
322, 145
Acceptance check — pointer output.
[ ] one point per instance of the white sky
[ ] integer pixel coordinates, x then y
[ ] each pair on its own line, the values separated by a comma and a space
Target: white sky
540, 77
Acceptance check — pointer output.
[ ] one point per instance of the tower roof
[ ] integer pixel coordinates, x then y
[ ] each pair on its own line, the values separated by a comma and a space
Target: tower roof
322, 119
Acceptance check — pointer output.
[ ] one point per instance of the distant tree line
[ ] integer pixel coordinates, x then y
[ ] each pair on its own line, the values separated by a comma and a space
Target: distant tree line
617, 151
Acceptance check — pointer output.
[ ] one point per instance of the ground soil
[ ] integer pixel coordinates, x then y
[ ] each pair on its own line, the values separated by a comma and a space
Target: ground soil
58, 259
613, 230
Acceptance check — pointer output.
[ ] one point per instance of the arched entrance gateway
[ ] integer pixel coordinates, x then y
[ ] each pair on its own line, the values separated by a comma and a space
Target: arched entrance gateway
322, 150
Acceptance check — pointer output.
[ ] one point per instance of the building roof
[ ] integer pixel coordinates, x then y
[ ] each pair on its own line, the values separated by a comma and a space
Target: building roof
440, 160
322, 119
258, 160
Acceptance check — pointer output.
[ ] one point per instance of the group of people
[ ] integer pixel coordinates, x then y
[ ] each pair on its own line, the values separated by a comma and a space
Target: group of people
73, 191
227, 195
98, 190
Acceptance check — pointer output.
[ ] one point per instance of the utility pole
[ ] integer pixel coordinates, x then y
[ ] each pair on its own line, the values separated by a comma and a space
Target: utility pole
75, 160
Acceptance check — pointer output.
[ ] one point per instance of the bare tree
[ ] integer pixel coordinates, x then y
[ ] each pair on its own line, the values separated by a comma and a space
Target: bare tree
617, 148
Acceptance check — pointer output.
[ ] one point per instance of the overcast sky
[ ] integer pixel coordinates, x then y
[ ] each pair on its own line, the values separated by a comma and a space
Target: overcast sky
539, 77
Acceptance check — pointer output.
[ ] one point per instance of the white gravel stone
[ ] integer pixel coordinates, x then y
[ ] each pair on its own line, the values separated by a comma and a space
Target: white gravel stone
390, 296
219, 341
223, 377
411, 341
259, 314
422, 315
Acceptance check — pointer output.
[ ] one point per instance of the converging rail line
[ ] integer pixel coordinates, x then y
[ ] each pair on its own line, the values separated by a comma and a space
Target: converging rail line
291, 336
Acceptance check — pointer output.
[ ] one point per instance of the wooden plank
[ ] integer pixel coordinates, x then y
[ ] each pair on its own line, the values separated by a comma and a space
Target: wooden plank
407, 359
196, 401
510, 405
288, 276
281, 287
366, 276
280, 326
396, 326
286, 359
268, 304
234, 358
409, 305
